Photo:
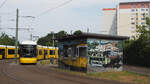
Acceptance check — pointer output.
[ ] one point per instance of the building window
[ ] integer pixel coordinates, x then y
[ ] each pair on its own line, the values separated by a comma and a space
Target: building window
132, 5
143, 14
142, 18
132, 27
146, 9
132, 18
133, 23
136, 18
136, 5
143, 23
136, 9
132, 31
142, 9
136, 14
132, 10
143, 5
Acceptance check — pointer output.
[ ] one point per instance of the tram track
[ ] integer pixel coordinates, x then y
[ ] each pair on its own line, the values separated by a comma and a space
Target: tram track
10, 75
69, 77
36, 74
53, 74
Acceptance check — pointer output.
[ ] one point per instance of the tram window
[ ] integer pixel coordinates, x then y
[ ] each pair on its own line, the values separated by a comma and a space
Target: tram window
52, 52
40, 52
2, 51
18, 51
11, 51
45, 52
28, 50
82, 51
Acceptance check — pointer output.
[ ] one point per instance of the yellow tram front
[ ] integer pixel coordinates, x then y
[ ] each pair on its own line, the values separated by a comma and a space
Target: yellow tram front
28, 52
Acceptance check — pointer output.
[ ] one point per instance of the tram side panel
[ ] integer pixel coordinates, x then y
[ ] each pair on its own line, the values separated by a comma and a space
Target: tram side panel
45, 52
40, 53
2, 51
10, 52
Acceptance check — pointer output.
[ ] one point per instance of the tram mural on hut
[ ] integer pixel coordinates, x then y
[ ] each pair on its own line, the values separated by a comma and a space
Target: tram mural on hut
105, 53
91, 52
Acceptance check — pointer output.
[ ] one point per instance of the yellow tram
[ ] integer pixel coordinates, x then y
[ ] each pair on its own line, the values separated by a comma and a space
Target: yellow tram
40, 52
2, 51
28, 52
7, 52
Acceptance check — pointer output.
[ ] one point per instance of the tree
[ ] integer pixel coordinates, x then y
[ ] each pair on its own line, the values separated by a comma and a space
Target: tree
136, 52
48, 39
78, 32
6, 40
61, 34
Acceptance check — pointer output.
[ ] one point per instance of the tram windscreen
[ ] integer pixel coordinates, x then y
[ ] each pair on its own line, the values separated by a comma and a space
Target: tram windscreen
28, 50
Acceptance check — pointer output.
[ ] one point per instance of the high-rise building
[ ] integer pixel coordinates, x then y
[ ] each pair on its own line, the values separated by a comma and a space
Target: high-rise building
109, 18
128, 15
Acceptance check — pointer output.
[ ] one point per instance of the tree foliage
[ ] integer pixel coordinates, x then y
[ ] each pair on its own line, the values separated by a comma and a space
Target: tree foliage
137, 52
6, 40
48, 39
78, 32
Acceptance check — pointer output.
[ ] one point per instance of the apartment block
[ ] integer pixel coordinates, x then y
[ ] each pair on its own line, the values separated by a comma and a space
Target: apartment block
109, 18
131, 14
128, 15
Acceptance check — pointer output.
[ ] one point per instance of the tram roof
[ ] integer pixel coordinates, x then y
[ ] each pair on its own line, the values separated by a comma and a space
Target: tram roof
93, 36
2, 45
29, 43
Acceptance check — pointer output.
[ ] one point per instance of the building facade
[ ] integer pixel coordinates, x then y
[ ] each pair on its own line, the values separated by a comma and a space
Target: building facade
109, 18
128, 15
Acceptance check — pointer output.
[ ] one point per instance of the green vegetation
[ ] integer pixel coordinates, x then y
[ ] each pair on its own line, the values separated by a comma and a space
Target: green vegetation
123, 77
137, 50
48, 39
78, 32
6, 40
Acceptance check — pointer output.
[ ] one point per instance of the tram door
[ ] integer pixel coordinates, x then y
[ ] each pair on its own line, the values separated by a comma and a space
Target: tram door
45, 54
2, 53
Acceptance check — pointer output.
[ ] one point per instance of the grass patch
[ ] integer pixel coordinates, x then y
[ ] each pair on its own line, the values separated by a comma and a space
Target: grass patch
123, 76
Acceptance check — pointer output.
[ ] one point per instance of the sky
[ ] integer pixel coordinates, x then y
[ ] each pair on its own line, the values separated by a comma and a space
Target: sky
53, 15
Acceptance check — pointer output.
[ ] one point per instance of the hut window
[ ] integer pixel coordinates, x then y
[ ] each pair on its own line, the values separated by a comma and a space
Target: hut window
82, 51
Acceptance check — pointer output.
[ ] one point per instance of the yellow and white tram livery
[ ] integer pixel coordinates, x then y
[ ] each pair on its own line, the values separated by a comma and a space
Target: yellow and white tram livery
28, 52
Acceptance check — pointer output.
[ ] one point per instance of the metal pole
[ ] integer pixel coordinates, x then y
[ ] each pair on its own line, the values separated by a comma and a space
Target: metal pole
53, 40
16, 42
31, 36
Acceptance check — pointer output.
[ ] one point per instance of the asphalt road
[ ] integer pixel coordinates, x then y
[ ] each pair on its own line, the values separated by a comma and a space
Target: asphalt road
37, 74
